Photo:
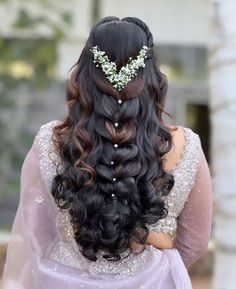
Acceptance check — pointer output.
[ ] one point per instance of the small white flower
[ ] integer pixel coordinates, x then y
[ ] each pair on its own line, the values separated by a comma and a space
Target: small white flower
123, 77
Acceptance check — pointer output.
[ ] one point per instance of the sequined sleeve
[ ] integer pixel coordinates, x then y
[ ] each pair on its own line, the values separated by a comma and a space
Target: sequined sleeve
194, 221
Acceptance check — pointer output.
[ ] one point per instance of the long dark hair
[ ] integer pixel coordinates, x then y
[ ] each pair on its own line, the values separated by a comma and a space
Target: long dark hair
108, 214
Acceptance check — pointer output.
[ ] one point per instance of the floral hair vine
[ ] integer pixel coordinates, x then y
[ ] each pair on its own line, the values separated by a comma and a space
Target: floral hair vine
119, 79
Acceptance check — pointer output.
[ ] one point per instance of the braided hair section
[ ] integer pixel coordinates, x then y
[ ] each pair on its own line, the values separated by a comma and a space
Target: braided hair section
111, 145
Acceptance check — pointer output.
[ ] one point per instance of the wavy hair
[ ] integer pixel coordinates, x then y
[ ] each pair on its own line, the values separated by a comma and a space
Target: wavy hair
93, 168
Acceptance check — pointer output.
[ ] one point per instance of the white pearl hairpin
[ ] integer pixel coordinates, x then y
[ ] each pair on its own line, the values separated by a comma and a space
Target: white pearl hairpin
119, 101
114, 179
116, 124
116, 145
112, 163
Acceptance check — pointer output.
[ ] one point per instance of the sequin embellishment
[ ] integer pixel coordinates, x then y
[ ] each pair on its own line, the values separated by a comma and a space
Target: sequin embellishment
184, 173
39, 199
66, 251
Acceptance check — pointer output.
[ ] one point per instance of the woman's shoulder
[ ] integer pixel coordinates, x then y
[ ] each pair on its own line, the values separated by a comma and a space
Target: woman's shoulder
48, 156
45, 131
48, 125
185, 136
177, 130
186, 145
43, 137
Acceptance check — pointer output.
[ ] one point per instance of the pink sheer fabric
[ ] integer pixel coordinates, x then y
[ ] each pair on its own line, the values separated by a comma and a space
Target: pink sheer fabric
35, 232
195, 220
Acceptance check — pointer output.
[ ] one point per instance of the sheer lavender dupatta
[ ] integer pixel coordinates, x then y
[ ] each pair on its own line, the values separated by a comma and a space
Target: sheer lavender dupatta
35, 231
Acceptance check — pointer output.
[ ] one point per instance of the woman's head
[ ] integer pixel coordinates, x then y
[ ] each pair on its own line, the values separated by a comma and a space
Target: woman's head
120, 40
112, 178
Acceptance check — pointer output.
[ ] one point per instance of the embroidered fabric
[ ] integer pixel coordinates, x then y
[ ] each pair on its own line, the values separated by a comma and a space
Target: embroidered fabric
66, 251
43, 254
184, 173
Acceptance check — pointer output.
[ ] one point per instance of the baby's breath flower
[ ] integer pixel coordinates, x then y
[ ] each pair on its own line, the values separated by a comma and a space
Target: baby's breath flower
123, 77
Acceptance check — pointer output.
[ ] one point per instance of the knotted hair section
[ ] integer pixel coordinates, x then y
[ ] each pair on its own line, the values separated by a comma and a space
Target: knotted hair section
111, 146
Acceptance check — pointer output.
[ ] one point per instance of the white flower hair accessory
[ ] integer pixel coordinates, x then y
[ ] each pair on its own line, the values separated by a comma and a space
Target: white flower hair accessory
119, 79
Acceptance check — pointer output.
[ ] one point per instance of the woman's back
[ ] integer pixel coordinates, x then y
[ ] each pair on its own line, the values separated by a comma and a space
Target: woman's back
110, 175
188, 165
49, 252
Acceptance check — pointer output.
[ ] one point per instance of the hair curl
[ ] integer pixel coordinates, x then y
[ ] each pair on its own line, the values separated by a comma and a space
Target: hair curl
85, 142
